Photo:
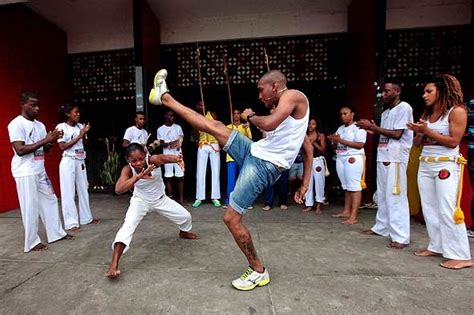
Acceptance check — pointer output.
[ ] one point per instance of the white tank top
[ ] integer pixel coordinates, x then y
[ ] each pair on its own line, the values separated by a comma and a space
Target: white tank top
149, 190
281, 146
432, 147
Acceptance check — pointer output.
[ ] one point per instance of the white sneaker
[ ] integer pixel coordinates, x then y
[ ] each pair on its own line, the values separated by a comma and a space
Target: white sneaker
250, 279
160, 87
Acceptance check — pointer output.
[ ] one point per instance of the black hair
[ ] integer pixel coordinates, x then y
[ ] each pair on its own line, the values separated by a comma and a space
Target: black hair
132, 147
26, 95
318, 123
348, 107
394, 82
139, 113
64, 110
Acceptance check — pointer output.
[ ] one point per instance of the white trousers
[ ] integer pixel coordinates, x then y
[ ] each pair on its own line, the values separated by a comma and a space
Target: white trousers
438, 183
316, 183
37, 200
393, 214
137, 210
349, 170
206, 151
73, 177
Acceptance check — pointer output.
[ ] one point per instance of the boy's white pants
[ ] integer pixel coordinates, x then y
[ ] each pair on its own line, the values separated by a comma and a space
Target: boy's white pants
317, 182
438, 200
38, 200
393, 214
138, 208
206, 151
73, 176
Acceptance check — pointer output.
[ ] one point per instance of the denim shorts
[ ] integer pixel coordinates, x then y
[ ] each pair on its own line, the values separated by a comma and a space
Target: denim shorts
255, 174
296, 170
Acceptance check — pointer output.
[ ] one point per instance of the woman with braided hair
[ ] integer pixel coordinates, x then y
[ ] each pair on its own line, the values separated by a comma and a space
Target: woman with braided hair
440, 131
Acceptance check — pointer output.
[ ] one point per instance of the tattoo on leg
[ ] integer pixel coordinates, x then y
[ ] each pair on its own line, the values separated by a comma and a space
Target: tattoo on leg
250, 249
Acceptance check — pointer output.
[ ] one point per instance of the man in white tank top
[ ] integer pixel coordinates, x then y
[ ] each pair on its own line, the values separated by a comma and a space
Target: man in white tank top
393, 215
262, 162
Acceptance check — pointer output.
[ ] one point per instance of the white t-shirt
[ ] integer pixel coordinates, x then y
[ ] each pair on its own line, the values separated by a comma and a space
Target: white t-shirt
22, 129
135, 135
350, 133
392, 150
70, 132
168, 134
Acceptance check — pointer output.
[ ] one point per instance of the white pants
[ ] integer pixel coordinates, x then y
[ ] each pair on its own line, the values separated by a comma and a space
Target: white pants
173, 170
393, 214
37, 200
438, 200
73, 176
206, 151
349, 170
137, 210
317, 182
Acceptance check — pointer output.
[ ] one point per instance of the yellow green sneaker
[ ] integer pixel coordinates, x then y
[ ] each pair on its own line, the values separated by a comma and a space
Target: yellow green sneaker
160, 87
250, 279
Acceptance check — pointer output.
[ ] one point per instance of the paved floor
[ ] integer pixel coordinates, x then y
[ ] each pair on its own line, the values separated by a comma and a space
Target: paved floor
317, 266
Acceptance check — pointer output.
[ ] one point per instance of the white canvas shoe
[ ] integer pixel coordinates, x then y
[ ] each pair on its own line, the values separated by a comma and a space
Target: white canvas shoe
250, 279
160, 87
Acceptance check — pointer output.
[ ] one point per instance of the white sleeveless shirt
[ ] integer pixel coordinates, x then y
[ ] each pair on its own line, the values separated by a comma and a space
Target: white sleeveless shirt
432, 147
149, 190
281, 146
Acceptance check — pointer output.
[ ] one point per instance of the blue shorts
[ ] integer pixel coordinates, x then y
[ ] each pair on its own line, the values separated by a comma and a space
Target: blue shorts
296, 170
255, 174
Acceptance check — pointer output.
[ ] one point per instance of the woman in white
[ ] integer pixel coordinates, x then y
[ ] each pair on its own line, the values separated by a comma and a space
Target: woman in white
72, 170
349, 143
317, 183
143, 174
440, 131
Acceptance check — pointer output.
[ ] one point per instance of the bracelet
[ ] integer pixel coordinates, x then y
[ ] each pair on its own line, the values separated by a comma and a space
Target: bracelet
250, 116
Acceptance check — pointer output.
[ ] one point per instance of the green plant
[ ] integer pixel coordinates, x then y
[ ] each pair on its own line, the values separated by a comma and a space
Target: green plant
111, 168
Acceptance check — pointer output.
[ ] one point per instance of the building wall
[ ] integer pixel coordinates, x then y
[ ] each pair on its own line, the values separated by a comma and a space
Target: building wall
32, 57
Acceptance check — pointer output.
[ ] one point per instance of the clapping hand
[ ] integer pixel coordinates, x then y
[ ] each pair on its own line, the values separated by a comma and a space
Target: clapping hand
420, 127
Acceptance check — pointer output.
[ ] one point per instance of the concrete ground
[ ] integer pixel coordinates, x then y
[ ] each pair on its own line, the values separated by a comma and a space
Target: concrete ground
316, 264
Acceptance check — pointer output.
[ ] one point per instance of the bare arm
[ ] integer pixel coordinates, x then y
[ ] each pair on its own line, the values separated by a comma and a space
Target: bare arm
335, 138
307, 170
457, 127
21, 148
82, 134
371, 126
125, 143
285, 108
321, 148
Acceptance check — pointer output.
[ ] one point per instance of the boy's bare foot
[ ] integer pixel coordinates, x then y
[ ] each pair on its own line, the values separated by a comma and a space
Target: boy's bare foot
94, 221
349, 222
425, 253
396, 245
307, 209
343, 215
40, 247
318, 209
74, 229
113, 272
457, 264
188, 235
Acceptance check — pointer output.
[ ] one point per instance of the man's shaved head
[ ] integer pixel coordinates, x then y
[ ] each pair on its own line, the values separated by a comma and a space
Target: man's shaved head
273, 76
